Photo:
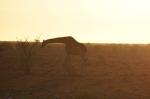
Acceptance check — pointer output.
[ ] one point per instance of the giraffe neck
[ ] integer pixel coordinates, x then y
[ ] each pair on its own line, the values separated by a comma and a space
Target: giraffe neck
55, 40
65, 40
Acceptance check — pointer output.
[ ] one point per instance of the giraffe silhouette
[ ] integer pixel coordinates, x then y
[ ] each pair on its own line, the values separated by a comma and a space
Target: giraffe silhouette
72, 47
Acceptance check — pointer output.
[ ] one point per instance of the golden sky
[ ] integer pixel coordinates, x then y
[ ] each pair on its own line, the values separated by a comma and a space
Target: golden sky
106, 21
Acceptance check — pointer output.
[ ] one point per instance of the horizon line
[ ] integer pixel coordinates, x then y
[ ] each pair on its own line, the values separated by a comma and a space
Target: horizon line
84, 42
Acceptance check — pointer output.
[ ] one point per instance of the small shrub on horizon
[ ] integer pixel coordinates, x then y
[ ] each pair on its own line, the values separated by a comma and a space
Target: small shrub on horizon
26, 51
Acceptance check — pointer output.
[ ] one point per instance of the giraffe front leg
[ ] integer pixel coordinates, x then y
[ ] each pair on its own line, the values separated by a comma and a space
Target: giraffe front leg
66, 65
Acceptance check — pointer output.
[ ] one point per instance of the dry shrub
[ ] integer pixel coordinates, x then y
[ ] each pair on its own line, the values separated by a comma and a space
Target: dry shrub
26, 52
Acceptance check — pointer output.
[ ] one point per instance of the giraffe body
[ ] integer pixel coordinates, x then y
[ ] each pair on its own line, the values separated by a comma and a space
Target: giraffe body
72, 47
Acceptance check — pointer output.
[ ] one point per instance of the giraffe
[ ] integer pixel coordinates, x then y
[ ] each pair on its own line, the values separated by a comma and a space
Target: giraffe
72, 47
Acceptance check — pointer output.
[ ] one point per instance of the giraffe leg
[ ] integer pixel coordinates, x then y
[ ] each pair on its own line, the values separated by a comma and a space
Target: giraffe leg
66, 64
83, 65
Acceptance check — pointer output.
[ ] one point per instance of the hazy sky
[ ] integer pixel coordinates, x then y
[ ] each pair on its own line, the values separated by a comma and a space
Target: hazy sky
119, 21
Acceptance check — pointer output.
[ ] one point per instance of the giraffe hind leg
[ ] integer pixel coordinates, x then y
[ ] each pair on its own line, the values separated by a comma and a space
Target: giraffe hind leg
83, 65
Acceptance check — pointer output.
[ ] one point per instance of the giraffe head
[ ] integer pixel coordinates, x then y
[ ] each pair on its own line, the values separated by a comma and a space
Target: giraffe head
43, 43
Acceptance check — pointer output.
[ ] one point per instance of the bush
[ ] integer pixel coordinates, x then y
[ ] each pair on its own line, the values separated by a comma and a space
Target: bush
26, 51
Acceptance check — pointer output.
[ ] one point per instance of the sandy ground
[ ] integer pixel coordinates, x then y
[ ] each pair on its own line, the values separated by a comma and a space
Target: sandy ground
111, 72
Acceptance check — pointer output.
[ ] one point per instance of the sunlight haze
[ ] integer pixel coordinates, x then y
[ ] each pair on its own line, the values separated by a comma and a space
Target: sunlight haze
95, 21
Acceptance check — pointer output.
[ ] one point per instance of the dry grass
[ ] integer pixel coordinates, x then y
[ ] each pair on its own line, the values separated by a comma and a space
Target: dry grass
112, 72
